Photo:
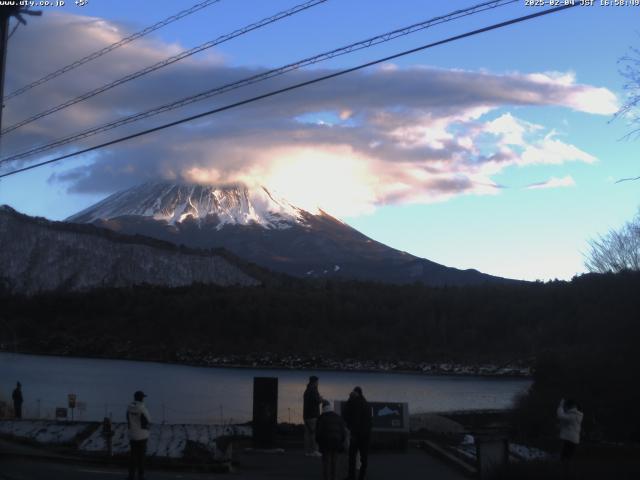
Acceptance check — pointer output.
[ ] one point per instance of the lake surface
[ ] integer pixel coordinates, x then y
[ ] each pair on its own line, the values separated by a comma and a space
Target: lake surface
184, 394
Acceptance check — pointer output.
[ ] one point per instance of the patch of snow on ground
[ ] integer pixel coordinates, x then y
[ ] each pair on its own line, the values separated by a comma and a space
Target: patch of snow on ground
467, 448
43, 431
165, 440
525, 452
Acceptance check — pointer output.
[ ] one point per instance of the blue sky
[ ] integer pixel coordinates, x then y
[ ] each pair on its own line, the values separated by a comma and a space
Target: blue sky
471, 214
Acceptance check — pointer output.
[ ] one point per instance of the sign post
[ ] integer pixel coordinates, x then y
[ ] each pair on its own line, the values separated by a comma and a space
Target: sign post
492, 445
389, 423
107, 432
72, 403
265, 411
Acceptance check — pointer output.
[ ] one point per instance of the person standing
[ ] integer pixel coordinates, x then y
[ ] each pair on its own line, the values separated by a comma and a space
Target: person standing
17, 400
138, 422
357, 415
570, 418
310, 414
330, 436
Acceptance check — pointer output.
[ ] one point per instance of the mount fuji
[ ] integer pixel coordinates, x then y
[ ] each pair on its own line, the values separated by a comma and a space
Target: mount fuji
262, 228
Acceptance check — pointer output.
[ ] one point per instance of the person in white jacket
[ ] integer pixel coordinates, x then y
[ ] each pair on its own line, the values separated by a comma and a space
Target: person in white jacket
138, 421
570, 418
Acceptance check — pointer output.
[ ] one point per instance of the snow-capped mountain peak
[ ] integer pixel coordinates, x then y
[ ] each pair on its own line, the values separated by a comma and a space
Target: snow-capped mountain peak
261, 228
176, 203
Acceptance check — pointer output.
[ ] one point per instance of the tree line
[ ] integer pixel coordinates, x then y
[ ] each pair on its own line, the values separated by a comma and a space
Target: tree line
340, 318
583, 333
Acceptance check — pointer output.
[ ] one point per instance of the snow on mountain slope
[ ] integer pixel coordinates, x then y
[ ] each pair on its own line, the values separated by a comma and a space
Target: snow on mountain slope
175, 203
266, 230
38, 255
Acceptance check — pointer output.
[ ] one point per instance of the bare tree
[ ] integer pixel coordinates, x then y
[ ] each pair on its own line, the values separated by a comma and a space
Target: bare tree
617, 250
630, 110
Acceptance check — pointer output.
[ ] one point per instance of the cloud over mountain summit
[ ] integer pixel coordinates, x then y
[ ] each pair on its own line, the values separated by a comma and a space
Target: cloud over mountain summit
385, 135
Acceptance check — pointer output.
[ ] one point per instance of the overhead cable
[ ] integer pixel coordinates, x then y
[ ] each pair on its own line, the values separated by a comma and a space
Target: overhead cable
103, 51
369, 42
293, 87
166, 62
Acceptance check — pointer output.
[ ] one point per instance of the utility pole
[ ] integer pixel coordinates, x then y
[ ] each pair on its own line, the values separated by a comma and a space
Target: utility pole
6, 12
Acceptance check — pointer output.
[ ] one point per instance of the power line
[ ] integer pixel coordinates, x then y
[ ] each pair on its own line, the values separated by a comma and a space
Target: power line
263, 76
294, 87
195, 8
168, 61
633, 179
13, 30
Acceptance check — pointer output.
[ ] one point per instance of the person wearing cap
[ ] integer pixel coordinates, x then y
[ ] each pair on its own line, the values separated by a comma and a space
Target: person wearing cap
357, 415
310, 414
138, 420
17, 400
330, 436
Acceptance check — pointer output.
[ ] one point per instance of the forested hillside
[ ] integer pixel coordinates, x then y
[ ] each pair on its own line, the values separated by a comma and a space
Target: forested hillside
336, 319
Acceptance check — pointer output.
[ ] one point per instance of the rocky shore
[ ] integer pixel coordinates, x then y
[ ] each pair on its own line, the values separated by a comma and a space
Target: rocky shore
290, 362
297, 362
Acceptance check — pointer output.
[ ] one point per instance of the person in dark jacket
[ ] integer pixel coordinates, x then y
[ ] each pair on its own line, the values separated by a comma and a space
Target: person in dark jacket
357, 415
310, 414
330, 436
17, 400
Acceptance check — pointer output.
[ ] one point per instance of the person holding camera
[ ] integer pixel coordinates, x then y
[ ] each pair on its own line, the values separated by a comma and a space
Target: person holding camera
570, 417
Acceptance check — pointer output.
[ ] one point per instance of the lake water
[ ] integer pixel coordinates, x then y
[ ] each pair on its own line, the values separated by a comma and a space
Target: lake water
183, 394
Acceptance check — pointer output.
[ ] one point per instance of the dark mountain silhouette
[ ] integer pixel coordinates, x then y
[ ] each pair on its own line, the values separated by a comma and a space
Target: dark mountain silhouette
266, 230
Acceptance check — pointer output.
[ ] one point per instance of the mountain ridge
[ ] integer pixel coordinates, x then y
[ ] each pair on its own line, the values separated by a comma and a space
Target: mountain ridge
37, 255
272, 233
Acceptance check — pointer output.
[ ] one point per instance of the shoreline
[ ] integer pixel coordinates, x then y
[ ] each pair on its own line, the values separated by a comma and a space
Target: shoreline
349, 366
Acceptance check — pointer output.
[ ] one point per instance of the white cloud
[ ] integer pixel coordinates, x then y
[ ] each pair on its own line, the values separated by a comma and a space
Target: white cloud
593, 100
553, 182
554, 78
552, 151
510, 129
583, 98
418, 134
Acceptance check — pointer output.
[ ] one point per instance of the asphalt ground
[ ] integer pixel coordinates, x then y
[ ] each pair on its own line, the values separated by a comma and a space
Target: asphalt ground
25, 463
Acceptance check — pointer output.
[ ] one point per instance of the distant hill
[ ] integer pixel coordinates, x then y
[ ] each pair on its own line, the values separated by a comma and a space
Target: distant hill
39, 255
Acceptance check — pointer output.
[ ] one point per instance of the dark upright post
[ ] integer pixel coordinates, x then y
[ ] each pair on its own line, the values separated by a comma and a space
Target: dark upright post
5, 14
265, 411
492, 447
